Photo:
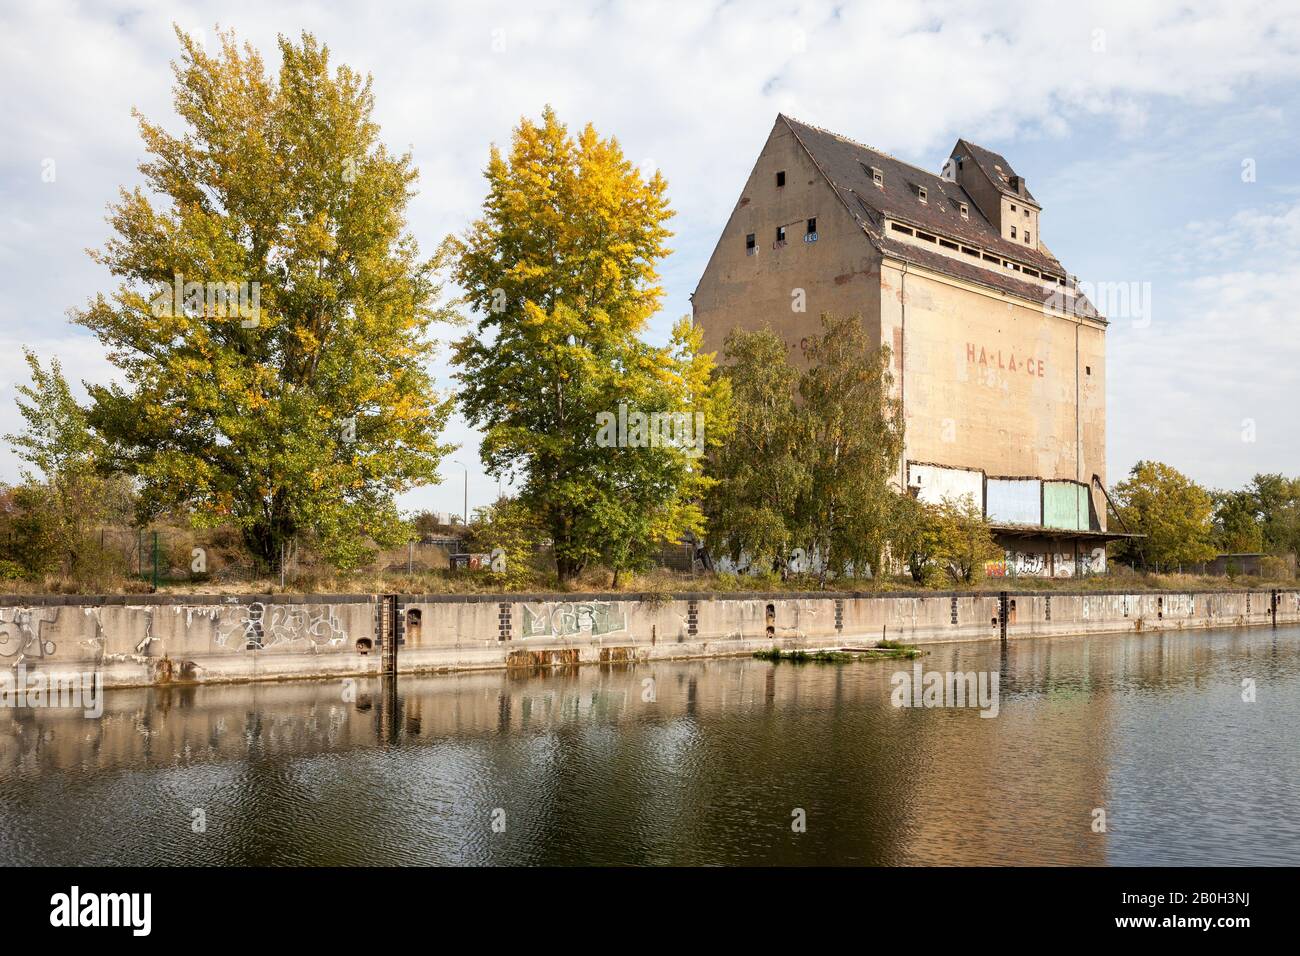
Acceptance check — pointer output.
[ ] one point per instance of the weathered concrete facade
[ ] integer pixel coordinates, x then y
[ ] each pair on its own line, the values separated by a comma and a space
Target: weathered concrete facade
164, 639
998, 360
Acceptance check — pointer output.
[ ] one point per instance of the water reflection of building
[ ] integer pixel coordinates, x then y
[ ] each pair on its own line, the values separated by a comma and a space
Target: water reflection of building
694, 762
1020, 788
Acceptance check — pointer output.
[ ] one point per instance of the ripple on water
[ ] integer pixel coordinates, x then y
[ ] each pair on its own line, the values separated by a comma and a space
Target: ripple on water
712, 766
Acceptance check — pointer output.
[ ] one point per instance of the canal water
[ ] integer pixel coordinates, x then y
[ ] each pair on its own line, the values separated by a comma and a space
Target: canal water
730, 761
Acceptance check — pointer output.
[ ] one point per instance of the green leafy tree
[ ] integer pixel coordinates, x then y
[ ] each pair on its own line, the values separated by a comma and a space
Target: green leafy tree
561, 271
273, 321
66, 496
915, 537
654, 496
761, 471
1237, 526
853, 440
1277, 500
1172, 511
425, 524
513, 528
964, 541
56, 438
32, 537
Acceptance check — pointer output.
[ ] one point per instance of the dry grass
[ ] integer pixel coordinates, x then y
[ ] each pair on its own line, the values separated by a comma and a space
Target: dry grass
659, 582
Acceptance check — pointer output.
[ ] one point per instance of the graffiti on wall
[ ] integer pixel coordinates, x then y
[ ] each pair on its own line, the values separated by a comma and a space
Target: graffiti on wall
1028, 564
1088, 562
256, 626
22, 635
572, 618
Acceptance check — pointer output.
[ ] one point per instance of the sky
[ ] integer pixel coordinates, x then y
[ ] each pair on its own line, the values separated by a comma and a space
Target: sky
1160, 139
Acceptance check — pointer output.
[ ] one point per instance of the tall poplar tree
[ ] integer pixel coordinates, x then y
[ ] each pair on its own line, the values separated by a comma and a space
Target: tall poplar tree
273, 319
561, 272
762, 470
854, 439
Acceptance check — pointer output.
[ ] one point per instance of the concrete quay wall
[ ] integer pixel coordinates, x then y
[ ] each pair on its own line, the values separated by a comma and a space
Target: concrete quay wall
137, 640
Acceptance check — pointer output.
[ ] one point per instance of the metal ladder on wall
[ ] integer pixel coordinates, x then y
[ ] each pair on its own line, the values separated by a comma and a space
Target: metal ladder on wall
388, 631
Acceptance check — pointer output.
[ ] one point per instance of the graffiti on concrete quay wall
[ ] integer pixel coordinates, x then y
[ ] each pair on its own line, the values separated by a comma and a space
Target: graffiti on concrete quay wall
572, 618
256, 626
22, 635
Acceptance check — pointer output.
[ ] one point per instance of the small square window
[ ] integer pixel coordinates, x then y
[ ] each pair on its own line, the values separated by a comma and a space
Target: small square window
1013, 207
812, 226
1026, 213
780, 178
780, 233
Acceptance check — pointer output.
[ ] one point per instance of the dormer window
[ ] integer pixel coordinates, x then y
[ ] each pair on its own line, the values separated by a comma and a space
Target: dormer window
780, 179
921, 194
965, 210
877, 175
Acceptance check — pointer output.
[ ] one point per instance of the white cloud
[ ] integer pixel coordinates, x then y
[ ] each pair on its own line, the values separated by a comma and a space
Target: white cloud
693, 86
1208, 386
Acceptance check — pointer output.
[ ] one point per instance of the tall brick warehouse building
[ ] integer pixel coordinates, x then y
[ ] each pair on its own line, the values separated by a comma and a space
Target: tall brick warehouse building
999, 360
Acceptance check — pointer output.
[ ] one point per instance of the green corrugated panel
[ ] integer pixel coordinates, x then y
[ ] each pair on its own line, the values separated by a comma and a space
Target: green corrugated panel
1065, 505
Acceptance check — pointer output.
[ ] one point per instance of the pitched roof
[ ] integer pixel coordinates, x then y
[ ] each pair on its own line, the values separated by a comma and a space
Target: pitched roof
995, 167
847, 166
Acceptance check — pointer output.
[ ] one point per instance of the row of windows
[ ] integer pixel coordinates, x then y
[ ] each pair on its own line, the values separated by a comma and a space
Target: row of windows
922, 193
878, 178
976, 253
751, 240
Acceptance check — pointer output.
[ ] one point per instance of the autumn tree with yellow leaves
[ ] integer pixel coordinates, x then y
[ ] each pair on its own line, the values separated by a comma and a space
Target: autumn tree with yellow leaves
561, 272
273, 318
